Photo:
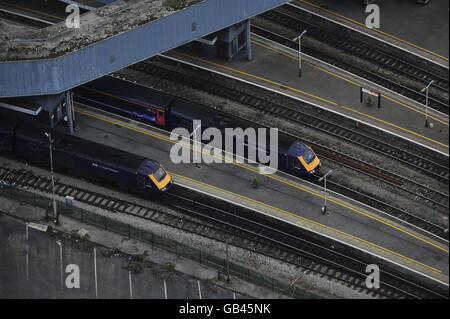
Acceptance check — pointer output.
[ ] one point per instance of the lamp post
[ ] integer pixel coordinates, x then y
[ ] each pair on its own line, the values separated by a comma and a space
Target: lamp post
425, 89
300, 52
324, 207
49, 136
59, 243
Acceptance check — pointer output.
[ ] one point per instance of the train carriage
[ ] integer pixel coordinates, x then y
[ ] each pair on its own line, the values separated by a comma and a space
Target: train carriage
90, 159
145, 105
6, 134
136, 101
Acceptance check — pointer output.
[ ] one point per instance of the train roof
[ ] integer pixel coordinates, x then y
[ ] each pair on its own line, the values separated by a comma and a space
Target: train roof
131, 91
7, 125
286, 143
192, 110
297, 149
95, 151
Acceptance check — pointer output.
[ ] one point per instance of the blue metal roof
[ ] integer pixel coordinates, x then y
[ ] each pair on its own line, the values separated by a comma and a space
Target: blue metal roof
52, 76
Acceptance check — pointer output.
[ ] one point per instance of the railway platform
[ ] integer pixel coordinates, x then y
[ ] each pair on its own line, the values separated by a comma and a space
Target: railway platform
422, 30
280, 196
276, 68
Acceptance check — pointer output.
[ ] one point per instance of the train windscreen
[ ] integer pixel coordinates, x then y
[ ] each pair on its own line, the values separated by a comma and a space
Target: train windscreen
308, 157
160, 174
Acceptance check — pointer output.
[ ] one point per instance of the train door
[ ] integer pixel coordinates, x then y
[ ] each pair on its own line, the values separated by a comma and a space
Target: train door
290, 162
160, 120
140, 181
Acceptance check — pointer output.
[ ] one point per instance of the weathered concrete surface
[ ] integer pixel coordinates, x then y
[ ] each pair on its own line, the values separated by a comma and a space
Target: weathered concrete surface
110, 20
131, 34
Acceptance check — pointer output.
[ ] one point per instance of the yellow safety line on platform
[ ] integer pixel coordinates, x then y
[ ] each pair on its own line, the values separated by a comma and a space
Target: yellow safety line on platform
276, 179
31, 10
350, 109
305, 219
311, 95
373, 29
347, 80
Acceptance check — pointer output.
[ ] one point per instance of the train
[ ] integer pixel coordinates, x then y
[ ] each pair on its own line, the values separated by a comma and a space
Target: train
89, 159
169, 112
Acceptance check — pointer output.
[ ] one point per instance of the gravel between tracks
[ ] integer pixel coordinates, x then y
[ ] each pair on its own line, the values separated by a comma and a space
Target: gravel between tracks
348, 177
312, 282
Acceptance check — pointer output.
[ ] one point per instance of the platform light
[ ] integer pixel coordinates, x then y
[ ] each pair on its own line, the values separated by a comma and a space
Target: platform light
323, 209
50, 141
299, 38
425, 89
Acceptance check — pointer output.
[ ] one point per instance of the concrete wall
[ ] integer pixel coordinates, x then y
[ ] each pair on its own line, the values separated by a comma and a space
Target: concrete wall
60, 74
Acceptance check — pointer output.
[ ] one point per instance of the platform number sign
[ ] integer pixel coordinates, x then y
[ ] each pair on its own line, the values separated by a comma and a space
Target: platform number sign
376, 94
373, 19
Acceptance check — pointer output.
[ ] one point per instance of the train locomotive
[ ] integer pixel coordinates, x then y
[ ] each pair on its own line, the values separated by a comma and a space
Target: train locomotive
169, 112
84, 157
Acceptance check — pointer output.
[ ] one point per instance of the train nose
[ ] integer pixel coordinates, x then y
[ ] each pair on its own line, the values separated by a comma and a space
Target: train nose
316, 170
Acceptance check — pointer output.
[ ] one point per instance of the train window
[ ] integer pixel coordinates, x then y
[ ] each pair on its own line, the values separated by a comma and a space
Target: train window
222, 121
187, 124
141, 180
290, 162
32, 147
308, 157
160, 118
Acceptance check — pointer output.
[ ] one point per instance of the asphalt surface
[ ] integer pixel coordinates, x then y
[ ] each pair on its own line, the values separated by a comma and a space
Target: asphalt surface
425, 26
113, 279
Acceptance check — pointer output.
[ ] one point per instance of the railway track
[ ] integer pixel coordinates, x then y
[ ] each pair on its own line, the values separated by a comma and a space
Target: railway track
418, 158
435, 169
242, 228
23, 19
218, 86
379, 66
426, 193
375, 56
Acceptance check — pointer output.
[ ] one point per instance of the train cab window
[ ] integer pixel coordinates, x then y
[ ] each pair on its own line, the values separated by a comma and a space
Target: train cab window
160, 174
308, 157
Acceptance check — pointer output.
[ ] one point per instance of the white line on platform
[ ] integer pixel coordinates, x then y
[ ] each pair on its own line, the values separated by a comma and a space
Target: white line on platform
369, 35
318, 233
28, 17
290, 178
417, 105
307, 102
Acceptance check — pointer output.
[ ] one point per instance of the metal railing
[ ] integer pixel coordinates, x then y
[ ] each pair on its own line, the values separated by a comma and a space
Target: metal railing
224, 267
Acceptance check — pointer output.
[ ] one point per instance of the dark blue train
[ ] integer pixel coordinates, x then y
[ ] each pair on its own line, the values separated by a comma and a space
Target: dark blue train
84, 157
168, 112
